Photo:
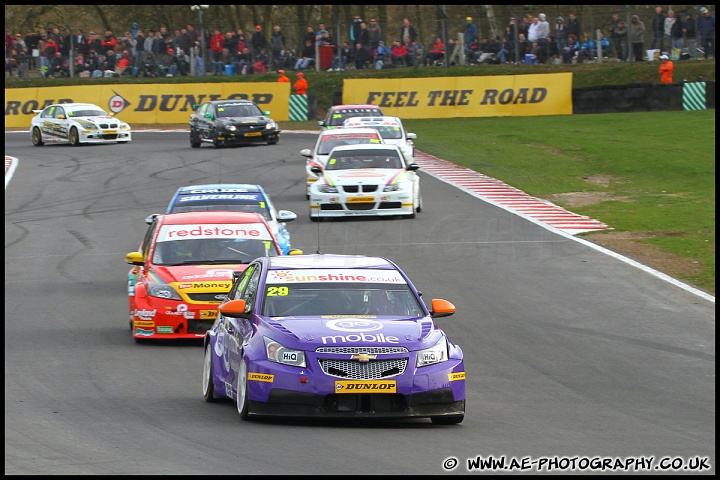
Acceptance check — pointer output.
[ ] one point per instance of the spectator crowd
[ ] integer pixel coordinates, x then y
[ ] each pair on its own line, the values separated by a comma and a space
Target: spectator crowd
530, 39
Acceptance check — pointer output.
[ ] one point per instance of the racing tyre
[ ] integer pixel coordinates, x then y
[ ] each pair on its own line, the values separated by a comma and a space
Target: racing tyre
447, 420
37, 137
272, 140
194, 139
243, 404
74, 137
208, 387
313, 218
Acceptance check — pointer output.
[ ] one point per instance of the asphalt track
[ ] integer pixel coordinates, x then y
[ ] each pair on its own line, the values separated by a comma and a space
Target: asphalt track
572, 353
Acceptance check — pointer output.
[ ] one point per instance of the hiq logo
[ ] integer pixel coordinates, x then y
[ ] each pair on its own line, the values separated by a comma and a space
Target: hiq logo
354, 325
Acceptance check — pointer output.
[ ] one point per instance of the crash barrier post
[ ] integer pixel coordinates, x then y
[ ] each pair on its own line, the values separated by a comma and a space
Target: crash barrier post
298, 108
694, 96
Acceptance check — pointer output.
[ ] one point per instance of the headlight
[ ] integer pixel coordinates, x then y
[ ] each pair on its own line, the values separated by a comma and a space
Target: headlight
395, 187
271, 126
327, 189
435, 354
89, 126
281, 354
162, 290
230, 128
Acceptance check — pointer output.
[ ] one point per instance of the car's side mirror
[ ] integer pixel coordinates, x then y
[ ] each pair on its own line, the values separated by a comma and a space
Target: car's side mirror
306, 152
208, 115
411, 136
413, 167
149, 219
295, 251
321, 123
441, 308
286, 216
266, 113
234, 309
60, 117
135, 258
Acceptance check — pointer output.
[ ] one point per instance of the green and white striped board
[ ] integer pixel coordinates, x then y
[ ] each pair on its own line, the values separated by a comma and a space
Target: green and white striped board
298, 108
694, 96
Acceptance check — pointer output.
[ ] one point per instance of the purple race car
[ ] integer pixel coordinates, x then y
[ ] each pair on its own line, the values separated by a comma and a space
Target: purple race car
339, 336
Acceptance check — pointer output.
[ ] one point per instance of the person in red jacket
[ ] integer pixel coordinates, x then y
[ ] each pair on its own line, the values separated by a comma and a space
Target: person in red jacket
109, 42
666, 69
436, 53
216, 48
398, 53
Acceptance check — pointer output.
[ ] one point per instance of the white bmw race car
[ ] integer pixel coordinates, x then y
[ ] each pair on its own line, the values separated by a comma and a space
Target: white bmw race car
77, 123
365, 180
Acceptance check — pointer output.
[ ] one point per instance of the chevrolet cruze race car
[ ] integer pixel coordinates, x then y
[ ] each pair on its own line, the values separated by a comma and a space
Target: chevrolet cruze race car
340, 336
184, 269
77, 123
231, 122
365, 180
236, 197
329, 139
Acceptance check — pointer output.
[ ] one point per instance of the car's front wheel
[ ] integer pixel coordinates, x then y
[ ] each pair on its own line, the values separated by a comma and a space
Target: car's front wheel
243, 404
194, 138
208, 387
74, 137
37, 137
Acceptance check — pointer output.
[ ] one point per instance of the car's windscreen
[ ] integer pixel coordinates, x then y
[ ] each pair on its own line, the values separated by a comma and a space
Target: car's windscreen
328, 142
357, 159
87, 113
220, 205
226, 111
339, 117
211, 251
304, 299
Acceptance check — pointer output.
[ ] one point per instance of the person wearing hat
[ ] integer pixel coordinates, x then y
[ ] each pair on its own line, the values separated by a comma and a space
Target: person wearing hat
706, 31
469, 36
381, 55
666, 68
258, 40
301, 85
283, 78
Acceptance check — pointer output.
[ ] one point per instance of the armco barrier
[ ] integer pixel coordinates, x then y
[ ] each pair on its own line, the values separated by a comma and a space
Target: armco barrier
639, 97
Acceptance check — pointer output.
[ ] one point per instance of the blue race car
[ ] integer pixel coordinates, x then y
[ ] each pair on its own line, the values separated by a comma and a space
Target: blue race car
338, 336
240, 197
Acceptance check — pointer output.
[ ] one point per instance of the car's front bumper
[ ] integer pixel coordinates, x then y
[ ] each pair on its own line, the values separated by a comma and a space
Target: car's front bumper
377, 204
235, 138
172, 320
437, 390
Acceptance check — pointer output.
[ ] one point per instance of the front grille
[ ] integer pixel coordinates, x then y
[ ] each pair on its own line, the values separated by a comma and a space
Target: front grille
199, 326
354, 350
206, 297
105, 126
360, 188
360, 206
249, 128
331, 206
356, 370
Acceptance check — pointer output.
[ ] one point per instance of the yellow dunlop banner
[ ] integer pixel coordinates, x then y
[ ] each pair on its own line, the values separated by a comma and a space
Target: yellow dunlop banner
146, 104
451, 97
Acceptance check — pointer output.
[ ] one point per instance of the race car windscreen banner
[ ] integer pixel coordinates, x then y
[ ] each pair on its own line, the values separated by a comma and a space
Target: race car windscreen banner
146, 104
475, 96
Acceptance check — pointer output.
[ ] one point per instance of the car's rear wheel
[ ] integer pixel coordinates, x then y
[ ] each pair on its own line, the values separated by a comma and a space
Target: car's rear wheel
74, 137
37, 137
447, 420
243, 404
208, 387
194, 138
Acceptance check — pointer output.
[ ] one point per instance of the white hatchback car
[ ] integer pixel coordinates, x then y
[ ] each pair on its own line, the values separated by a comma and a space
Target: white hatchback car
391, 130
329, 139
366, 180
77, 123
